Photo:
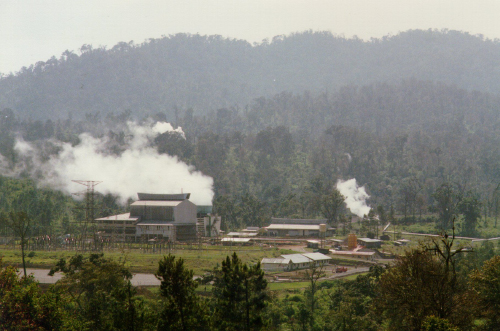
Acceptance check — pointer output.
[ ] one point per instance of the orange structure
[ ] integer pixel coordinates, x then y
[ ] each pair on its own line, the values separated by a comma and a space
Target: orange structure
352, 241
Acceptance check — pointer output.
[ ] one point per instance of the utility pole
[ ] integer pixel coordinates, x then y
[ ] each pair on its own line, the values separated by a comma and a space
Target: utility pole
89, 209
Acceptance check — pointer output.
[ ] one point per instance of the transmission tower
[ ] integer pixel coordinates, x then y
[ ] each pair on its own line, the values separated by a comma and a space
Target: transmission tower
89, 209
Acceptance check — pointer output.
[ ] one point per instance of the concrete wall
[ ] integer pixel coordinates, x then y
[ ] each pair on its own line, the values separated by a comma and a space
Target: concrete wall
185, 213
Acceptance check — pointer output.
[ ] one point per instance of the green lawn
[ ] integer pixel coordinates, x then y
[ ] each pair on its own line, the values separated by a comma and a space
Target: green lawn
200, 261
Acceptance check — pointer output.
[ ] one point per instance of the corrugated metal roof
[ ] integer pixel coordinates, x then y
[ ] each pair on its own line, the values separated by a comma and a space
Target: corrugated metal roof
369, 240
243, 234
334, 252
121, 217
156, 203
317, 256
293, 227
163, 197
241, 240
159, 223
277, 260
297, 258
298, 221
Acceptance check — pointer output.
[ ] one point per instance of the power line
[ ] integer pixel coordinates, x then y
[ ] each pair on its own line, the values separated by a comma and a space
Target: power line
89, 208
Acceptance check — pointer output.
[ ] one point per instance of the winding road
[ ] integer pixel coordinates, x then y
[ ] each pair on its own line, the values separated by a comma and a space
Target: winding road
41, 275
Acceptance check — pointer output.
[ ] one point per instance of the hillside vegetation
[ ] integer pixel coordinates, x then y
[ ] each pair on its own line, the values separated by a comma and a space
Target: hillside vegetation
210, 72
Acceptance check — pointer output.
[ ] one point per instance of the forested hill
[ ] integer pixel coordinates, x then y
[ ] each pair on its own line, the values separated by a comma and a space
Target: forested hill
210, 72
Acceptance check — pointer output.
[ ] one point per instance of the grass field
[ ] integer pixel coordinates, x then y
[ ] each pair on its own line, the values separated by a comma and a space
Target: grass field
200, 261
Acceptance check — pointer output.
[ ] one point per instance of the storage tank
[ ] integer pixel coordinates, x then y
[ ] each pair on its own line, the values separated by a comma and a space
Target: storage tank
352, 241
322, 229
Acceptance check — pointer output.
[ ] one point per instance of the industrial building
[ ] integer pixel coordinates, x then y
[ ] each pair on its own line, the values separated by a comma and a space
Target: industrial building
207, 224
287, 227
288, 262
169, 217
370, 243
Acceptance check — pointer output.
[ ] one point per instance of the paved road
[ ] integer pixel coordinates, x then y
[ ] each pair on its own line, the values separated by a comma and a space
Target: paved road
42, 276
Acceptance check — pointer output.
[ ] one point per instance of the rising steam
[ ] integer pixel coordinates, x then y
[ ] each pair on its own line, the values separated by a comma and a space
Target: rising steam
355, 196
137, 169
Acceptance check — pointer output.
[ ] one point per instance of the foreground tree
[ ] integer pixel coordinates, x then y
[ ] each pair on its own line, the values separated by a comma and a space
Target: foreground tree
23, 306
20, 223
486, 285
313, 274
240, 295
182, 307
100, 294
424, 283
349, 303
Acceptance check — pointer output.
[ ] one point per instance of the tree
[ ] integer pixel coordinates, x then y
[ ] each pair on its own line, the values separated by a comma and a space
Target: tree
470, 207
24, 306
424, 283
408, 196
446, 203
485, 283
100, 293
350, 302
313, 274
331, 204
20, 223
495, 203
225, 206
182, 309
433, 323
240, 295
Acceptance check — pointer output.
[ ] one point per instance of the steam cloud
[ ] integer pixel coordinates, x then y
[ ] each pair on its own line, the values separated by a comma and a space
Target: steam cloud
355, 196
137, 169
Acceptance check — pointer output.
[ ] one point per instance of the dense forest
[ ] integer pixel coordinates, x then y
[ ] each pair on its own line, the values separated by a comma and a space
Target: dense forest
408, 119
211, 72
434, 288
414, 118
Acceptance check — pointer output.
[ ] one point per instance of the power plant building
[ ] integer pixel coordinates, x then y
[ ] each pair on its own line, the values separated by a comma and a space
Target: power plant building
154, 216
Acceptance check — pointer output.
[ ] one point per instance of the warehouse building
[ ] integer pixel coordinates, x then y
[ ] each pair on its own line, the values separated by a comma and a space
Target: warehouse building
289, 262
288, 227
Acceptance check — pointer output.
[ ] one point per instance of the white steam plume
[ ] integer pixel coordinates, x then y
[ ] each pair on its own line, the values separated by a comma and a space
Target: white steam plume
138, 169
355, 196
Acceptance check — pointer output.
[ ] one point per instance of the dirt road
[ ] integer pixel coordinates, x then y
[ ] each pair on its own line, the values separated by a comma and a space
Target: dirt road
41, 275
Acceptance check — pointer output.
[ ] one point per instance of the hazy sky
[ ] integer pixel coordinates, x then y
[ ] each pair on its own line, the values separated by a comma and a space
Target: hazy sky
35, 30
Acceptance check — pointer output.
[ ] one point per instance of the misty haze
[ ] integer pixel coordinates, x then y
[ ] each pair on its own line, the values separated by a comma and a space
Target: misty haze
310, 181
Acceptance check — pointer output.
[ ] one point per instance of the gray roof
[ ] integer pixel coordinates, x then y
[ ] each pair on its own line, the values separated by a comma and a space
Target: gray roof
241, 240
297, 258
293, 227
162, 203
298, 221
369, 240
242, 234
163, 197
159, 223
317, 256
121, 217
278, 260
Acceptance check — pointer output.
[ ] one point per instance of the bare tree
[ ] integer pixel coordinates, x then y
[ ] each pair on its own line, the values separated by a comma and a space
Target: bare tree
20, 223
313, 274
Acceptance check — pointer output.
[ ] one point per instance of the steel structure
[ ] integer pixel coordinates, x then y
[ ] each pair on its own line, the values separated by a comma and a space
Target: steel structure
89, 210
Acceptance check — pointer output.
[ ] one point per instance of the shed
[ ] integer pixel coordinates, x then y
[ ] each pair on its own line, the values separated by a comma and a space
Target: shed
298, 261
318, 258
275, 264
313, 244
370, 243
